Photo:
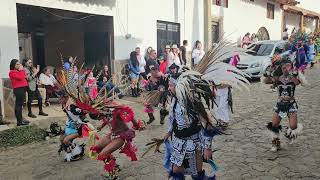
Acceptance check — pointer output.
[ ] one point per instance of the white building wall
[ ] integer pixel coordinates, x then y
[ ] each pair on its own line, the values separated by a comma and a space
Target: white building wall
244, 16
312, 5
9, 45
135, 17
292, 21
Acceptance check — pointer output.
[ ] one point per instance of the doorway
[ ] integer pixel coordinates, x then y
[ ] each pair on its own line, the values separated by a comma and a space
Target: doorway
97, 49
168, 33
55, 32
215, 31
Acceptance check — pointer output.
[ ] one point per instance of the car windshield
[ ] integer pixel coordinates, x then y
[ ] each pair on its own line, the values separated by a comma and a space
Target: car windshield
261, 49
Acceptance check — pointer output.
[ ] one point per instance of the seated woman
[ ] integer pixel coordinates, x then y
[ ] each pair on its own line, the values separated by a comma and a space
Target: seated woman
105, 81
49, 82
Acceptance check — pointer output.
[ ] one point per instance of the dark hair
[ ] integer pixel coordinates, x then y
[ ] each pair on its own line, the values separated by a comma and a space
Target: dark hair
66, 59
45, 69
13, 63
24, 62
133, 59
185, 42
196, 44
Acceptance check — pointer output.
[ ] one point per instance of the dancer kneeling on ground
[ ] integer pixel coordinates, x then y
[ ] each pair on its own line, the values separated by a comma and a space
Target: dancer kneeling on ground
73, 130
286, 105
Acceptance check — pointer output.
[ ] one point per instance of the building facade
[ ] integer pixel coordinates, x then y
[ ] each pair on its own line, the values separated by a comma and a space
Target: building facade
266, 18
98, 32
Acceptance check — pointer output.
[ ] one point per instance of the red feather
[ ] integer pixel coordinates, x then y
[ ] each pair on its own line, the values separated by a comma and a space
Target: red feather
126, 114
86, 107
130, 151
110, 165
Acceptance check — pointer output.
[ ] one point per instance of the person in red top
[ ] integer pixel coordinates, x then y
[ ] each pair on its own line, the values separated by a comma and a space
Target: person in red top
163, 65
19, 84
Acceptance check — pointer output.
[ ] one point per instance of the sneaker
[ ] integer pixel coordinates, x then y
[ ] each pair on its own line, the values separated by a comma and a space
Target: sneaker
32, 115
43, 114
22, 123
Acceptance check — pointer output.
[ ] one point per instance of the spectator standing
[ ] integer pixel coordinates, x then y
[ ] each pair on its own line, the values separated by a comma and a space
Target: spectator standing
152, 61
197, 53
148, 52
174, 56
142, 63
19, 84
246, 41
33, 91
311, 52
135, 73
163, 65
285, 35
254, 38
183, 52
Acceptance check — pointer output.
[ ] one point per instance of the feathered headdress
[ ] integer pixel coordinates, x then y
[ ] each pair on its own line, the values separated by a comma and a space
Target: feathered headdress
300, 35
194, 87
72, 84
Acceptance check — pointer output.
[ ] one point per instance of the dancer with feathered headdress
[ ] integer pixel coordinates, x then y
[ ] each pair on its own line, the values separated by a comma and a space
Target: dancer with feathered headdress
300, 48
100, 107
286, 78
190, 121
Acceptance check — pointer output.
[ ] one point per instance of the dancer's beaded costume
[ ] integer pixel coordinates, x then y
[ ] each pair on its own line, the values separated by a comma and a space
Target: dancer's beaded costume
286, 105
190, 121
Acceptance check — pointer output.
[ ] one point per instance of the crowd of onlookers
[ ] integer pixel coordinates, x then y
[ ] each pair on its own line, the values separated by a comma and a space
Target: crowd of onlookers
42, 85
247, 40
172, 56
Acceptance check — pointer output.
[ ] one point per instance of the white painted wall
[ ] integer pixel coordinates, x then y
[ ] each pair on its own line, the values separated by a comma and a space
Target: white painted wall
244, 16
141, 22
292, 21
137, 18
310, 24
9, 48
312, 5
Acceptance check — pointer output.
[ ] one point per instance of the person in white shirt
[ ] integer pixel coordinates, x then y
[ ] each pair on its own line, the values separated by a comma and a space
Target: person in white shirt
197, 53
49, 82
142, 63
174, 56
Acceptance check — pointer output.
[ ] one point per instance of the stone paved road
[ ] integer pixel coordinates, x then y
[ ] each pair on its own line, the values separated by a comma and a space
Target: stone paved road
242, 155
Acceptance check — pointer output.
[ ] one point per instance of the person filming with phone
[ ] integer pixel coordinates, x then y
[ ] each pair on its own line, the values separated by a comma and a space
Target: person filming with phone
33, 91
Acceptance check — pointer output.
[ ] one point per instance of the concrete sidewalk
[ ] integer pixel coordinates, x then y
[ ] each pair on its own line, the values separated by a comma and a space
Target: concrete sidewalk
57, 115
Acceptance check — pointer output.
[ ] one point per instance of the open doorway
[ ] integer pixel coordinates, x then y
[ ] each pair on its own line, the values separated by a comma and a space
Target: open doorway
45, 33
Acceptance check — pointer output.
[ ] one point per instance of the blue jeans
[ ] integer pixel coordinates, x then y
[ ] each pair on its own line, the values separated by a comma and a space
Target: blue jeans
110, 87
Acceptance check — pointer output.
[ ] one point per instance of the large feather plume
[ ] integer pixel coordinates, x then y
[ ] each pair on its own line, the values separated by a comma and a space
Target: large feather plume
194, 87
75, 89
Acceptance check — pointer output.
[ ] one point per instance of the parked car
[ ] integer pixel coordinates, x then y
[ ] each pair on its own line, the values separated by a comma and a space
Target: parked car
258, 60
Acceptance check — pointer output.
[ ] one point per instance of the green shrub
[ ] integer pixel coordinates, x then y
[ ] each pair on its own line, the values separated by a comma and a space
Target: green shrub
21, 135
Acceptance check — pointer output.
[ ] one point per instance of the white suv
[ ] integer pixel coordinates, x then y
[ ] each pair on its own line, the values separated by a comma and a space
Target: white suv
258, 59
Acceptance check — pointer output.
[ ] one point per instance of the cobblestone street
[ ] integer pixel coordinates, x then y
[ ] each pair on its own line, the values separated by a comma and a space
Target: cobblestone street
244, 154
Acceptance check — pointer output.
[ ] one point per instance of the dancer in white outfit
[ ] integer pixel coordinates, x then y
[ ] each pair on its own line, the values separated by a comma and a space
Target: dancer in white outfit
223, 105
